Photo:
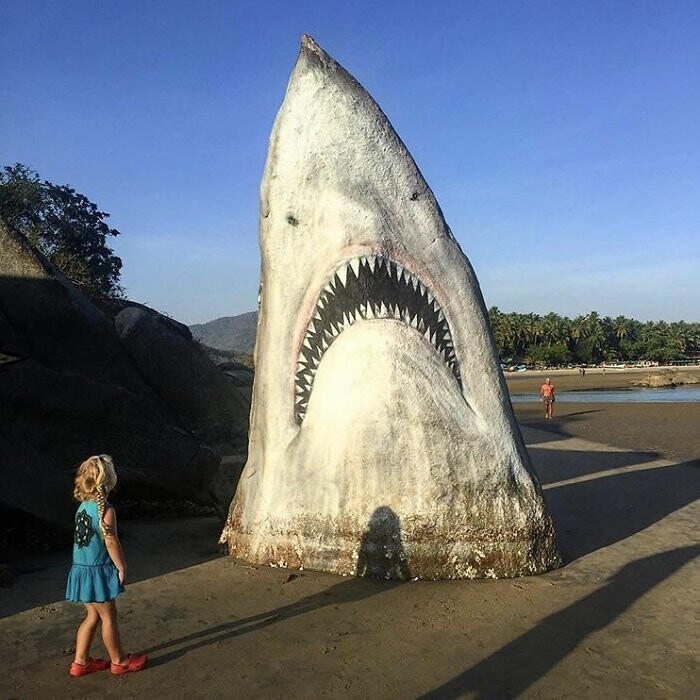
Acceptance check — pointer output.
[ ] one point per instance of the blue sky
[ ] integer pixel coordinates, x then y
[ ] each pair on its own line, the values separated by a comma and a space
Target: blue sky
561, 139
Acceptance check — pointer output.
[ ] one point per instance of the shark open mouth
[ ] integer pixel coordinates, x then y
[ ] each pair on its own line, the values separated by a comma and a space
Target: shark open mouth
368, 288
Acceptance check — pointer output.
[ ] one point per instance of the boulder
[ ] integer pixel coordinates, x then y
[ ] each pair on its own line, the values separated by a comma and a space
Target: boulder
667, 378
32, 482
72, 386
54, 321
203, 397
240, 374
69, 417
226, 479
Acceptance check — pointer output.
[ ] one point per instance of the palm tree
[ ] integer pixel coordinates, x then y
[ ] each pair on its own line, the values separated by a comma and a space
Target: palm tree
595, 335
621, 327
579, 328
677, 339
554, 329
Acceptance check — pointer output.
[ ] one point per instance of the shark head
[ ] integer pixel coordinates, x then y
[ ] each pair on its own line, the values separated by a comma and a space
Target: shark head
377, 385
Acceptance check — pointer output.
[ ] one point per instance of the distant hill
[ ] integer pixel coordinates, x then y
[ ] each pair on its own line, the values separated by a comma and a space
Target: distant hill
231, 333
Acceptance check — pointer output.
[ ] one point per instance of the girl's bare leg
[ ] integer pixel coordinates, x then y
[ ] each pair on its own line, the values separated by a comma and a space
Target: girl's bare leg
86, 632
110, 631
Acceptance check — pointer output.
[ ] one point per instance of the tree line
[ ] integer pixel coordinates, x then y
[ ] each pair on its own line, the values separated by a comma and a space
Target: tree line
591, 339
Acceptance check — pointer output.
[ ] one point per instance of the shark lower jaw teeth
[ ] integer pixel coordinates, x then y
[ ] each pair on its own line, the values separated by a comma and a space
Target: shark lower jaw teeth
369, 288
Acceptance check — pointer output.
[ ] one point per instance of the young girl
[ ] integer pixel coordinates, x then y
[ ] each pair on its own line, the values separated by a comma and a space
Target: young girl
99, 570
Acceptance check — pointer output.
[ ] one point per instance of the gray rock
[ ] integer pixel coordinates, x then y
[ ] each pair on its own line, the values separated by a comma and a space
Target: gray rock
112, 307
32, 482
7, 578
73, 388
57, 324
226, 480
240, 374
204, 398
10, 344
69, 417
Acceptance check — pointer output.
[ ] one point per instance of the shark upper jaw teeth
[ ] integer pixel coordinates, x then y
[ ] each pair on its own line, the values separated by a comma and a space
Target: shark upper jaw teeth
368, 288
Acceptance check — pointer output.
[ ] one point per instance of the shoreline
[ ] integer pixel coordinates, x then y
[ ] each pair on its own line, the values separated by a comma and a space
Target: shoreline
597, 379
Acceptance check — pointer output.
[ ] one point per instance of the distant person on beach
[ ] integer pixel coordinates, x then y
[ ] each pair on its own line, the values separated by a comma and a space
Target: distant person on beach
99, 570
547, 395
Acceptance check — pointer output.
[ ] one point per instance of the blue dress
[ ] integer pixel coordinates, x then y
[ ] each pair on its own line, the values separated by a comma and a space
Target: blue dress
93, 578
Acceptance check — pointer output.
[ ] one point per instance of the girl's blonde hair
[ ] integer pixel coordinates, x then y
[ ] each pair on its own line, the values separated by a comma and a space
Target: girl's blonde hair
95, 478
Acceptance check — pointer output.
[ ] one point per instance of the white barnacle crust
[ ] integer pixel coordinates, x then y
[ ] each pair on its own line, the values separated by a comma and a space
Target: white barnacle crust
382, 439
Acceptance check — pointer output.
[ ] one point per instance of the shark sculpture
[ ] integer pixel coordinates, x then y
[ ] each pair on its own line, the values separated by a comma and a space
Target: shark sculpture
381, 428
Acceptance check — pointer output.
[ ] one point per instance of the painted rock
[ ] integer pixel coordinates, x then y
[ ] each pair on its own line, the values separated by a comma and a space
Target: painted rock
382, 439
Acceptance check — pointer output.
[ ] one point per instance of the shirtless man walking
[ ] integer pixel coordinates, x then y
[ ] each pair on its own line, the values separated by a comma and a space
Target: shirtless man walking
547, 395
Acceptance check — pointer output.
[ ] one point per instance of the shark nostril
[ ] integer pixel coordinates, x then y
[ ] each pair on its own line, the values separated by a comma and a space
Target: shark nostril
292, 220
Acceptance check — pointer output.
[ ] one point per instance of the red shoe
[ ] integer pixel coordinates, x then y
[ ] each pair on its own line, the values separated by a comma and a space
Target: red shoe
90, 666
134, 662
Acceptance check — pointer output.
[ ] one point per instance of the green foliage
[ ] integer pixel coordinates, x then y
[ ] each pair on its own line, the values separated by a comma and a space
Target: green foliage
590, 339
64, 225
551, 355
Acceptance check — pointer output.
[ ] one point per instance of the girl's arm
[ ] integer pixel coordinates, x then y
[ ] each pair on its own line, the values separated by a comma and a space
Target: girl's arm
114, 546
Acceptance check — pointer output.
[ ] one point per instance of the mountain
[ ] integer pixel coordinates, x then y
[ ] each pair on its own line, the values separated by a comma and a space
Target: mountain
235, 333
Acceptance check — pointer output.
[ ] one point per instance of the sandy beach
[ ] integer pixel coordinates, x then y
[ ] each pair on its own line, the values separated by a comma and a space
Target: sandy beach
671, 430
595, 378
619, 619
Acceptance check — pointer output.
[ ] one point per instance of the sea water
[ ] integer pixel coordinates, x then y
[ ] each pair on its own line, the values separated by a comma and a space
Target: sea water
664, 395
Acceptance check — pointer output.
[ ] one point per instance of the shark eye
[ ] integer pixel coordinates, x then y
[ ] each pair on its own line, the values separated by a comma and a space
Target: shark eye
368, 288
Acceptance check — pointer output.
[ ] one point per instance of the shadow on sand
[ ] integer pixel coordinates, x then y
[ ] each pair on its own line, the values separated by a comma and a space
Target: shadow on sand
540, 430
593, 508
520, 663
381, 556
40, 577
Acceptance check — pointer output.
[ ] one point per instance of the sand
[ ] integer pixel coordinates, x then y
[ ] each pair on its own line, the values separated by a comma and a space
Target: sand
666, 429
620, 619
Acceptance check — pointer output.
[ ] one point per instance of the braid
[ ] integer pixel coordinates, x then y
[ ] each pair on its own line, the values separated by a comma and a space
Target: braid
100, 498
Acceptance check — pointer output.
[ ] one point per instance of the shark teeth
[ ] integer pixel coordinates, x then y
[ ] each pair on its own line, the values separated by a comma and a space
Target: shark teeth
365, 289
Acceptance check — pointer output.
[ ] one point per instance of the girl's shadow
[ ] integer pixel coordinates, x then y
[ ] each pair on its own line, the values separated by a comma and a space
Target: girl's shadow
381, 555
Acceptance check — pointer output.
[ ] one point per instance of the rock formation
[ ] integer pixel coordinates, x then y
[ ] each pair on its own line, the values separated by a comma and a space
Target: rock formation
80, 382
204, 398
381, 427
